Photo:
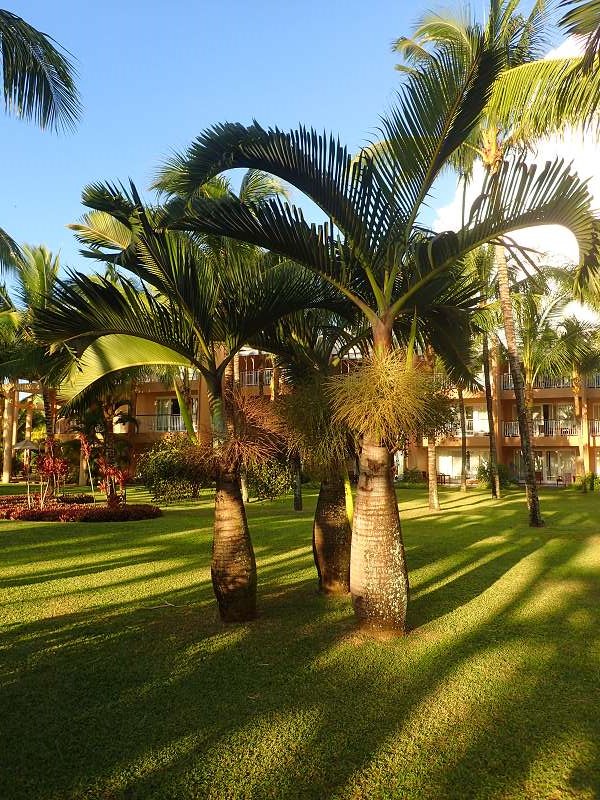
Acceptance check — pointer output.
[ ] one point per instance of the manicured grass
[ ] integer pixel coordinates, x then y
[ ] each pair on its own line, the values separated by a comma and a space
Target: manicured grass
118, 682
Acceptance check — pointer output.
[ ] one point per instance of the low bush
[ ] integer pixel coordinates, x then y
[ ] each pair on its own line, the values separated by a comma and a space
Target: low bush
485, 480
174, 469
412, 478
76, 499
86, 513
269, 479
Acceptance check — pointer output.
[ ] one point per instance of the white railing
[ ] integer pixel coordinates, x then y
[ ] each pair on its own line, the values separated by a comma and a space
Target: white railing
593, 381
161, 423
252, 377
470, 430
541, 382
511, 429
549, 427
594, 427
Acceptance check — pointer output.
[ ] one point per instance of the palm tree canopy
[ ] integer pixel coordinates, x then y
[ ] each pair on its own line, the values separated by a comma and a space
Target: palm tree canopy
533, 96
374, 247
37, 75
185, 305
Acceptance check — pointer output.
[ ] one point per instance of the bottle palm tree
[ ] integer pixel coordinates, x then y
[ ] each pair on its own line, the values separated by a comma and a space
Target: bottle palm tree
375, 247
531, 97
196, 307
38, 85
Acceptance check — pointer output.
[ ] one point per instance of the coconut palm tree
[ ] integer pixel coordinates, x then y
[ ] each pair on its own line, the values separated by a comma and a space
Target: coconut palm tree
375, 247
35, 280
531, 97
38, 84
192, 306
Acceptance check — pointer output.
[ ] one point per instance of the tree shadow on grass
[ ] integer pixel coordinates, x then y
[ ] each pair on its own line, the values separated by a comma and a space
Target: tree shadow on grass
147, 700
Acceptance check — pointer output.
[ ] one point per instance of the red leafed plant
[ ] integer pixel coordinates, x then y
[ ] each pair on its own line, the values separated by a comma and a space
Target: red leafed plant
113, 483
52, 470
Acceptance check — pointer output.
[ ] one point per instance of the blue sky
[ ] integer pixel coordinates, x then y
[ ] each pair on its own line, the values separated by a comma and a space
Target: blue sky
153, 75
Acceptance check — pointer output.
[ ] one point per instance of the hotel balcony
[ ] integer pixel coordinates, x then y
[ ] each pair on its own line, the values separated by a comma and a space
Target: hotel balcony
252, 377
160, 423
550, 428
560, 382
594, 426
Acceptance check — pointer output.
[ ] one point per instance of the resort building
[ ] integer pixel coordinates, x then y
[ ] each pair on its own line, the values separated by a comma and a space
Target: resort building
565, 412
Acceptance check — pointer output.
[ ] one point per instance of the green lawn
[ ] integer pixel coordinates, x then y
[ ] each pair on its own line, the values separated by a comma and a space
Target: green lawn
118, 681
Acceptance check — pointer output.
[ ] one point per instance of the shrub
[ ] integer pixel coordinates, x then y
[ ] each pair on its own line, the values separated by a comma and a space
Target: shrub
174, 469
78, 499
484, 476
269, 479
414, 477
87, 513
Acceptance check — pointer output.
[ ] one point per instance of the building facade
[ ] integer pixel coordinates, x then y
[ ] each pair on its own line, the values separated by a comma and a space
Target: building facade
565, 413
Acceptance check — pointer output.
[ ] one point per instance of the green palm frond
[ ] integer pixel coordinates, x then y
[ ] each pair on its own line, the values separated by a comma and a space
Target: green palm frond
38, 79
99, 229
258, 186
543, 97
108, 357
521, 195
582, 18
10, 252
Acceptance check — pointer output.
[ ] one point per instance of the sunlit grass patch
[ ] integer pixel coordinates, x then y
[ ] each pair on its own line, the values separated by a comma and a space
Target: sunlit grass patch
118, 682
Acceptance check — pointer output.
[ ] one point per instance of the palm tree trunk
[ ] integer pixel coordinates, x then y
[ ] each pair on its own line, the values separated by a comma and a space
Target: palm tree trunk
533, 501
48, 413
296, 466
463, 440
332, 537
494, 475
378, 574
233, 566
434, 500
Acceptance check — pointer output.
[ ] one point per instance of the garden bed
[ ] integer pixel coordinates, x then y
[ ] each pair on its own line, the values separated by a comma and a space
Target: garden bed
75, 508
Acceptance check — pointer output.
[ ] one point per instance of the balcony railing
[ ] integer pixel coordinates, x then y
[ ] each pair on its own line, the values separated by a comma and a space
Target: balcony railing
593, 381
541, 382
470, 430
161, 423
594, 427
549, 427
252, 377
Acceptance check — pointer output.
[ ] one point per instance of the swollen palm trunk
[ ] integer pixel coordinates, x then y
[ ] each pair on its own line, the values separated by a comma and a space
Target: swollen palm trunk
378, 575
332, 537
233, 568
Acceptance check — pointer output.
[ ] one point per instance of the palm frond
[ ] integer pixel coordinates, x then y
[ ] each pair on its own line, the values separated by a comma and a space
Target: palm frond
10, 252
582, 18
544, 97
37, 75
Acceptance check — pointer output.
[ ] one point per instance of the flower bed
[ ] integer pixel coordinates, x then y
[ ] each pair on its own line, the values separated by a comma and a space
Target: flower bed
78, 512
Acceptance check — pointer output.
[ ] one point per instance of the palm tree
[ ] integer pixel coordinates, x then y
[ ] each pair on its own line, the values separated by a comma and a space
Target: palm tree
375, 247
193, 305
35, 280
38, 85
309, 348
531, 97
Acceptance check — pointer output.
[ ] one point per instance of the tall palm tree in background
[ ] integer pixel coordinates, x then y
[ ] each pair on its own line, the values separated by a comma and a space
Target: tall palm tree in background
35, 279
375, 248
531, 97
193, 304
38, 84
